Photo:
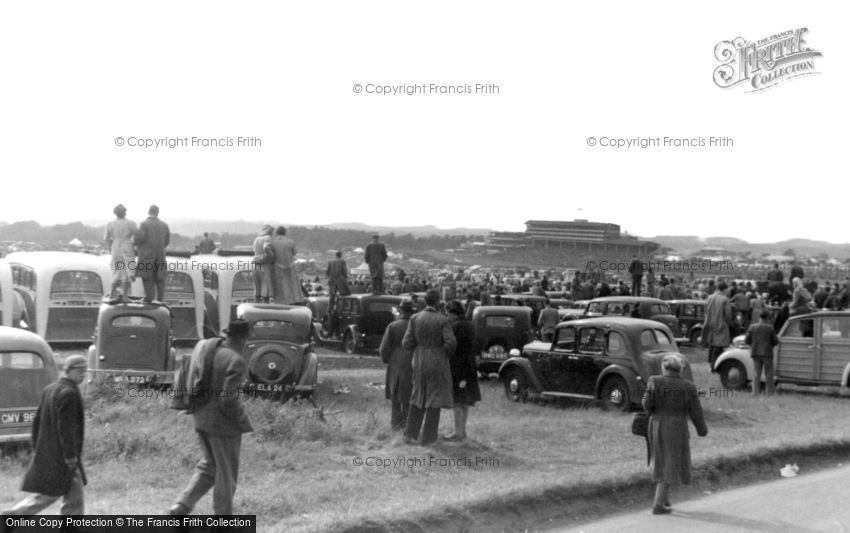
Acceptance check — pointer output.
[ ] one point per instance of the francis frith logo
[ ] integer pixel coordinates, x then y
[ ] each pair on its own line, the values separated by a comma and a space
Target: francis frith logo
765, 63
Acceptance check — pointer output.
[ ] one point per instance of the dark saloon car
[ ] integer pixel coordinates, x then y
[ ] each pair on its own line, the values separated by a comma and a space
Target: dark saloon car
360, 322
26, 367
634, 307
279, 352
133, 343
691, 315
607, 358
498, 330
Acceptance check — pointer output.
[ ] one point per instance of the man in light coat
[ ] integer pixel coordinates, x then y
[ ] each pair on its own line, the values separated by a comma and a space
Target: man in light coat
119, 238
430, 336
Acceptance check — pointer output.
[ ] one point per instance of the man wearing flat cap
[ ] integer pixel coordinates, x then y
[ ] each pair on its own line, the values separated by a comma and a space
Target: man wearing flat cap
119, 237
375, 257
56, 470
220, 421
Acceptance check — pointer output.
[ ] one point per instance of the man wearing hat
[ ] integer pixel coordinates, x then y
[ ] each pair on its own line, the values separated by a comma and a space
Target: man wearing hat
399, 370
220, 421
375, 256
152, 239
119, 238
56, 469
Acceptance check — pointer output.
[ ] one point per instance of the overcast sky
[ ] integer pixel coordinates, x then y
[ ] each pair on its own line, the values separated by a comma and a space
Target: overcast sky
78, 75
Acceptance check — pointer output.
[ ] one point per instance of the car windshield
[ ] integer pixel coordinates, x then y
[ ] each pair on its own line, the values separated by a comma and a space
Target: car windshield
20, 360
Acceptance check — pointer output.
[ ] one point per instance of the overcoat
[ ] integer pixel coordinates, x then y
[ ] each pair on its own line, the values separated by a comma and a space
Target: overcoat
57, 434
375, 255
399, 361
430, 336
718, 316
151, 240
462, 364
287, 288
670, 401
263, 273
120, 234
223, 413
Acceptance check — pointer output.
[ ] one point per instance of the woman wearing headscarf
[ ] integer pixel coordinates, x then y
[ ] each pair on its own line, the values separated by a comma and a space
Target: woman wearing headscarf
670, 400
800, 299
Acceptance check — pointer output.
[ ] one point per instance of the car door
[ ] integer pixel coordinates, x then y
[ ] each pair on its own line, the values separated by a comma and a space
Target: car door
584, 366
795, 356
554, 365
832, 354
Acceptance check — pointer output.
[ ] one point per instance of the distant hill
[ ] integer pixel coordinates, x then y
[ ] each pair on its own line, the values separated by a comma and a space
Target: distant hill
418, 231
690, 244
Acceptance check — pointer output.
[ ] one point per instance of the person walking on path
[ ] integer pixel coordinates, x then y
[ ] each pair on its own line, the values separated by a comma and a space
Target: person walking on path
670, 400
151, 240
56, 470
220, 421
429, 335
399, 372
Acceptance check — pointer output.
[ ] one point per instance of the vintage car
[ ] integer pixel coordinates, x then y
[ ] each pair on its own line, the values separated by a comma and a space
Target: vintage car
26, 367
634, 307
133, 343
607, 358
280, 356
498, 330
13, 308
813, 349
361, 321
691, 315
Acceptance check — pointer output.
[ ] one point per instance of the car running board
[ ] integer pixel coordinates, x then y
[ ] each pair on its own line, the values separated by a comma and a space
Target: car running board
567, 395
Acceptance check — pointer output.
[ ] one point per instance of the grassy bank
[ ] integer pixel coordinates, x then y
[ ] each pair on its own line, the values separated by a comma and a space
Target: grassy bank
305, 469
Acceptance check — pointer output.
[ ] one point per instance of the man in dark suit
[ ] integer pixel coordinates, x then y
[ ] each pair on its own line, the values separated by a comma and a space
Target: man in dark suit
375, 256
151, 240
57, 439
337, 279
761, 337
220, 421
399, 372
636, 272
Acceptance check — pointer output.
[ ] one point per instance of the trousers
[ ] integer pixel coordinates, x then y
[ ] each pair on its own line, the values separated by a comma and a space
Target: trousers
218, 468
414, 423
72, 501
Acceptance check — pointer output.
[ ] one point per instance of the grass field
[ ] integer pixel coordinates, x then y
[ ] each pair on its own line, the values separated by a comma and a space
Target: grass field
305, 469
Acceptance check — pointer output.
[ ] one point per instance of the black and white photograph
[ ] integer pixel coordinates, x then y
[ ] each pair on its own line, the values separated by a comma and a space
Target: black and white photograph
424, 267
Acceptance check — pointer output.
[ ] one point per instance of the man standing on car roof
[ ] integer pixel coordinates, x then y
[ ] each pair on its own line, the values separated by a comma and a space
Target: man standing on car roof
636, 272
220, 421
375, 256
56, 470
119, 237
152, 239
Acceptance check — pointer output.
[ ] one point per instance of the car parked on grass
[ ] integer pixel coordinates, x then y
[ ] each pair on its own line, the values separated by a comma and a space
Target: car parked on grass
634, 307
813, 350
26, 367
691, 316
133, 343
280, 356
498, 330
606, 358
360, 323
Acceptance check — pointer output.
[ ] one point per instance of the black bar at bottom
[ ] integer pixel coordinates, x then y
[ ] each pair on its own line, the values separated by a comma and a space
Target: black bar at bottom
129, 524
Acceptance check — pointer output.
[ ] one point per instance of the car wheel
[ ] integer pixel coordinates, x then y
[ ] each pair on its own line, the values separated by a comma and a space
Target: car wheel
733, 375
695, 335
516, 386
348, 342
615, 394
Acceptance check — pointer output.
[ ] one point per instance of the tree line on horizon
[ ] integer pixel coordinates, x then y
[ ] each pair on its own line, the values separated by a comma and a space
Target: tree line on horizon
306, 238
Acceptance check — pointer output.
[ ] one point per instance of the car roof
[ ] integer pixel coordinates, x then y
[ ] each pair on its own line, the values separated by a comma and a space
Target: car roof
628, 299
686, 301
821, 314
21, 339
621, 322
256, 311
501, 310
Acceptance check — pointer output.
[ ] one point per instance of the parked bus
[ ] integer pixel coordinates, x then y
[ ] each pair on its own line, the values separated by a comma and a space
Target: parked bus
229, 281
184, 294
62, 292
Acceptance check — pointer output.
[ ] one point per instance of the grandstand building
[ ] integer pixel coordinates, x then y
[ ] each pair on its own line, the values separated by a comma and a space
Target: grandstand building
579, 235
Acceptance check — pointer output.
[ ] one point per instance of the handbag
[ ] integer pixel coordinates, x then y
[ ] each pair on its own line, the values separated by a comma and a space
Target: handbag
640, 424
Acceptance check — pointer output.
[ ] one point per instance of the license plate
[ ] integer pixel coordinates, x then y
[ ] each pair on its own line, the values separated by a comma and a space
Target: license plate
15, 418
131, 379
